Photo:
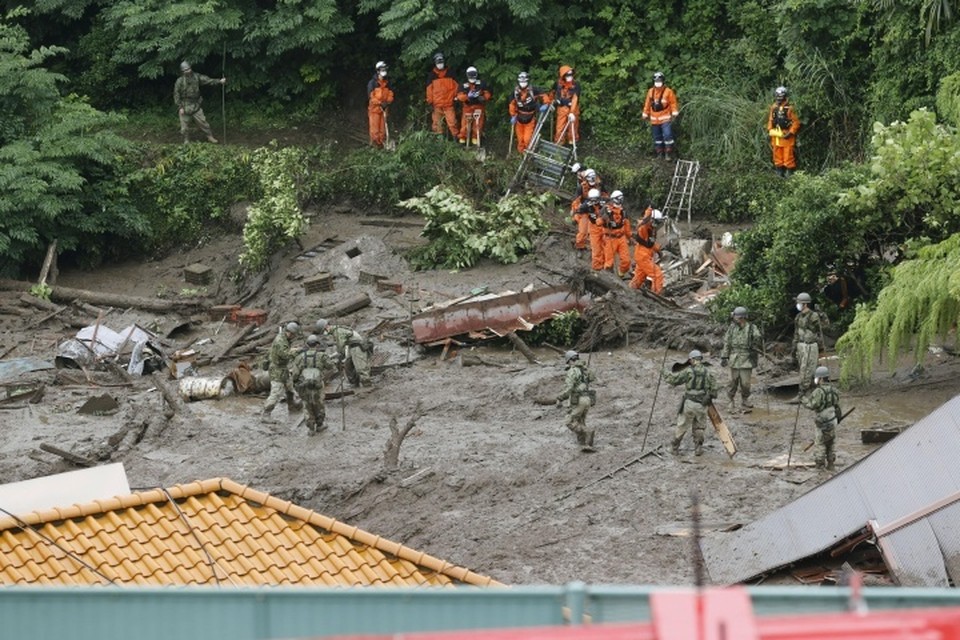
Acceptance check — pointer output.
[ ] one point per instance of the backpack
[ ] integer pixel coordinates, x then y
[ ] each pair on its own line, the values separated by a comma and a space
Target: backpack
311, 377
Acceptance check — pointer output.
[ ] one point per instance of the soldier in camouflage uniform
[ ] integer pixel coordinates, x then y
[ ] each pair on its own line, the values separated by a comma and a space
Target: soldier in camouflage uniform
186, 95
824, 401
308, 371
280, 383
742, 345
353, 351
807, 341
701, 389
581, 399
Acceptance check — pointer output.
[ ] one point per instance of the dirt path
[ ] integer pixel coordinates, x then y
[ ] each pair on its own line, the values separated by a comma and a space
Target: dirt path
488, 478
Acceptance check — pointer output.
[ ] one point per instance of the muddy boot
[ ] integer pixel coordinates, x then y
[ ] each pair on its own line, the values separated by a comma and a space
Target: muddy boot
745, 405
675, 446
294, 404
213, 140
698, 451
581, 438
588, 443
266, 416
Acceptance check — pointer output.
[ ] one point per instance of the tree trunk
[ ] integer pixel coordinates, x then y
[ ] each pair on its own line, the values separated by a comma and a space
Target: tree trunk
67, 295
342, 308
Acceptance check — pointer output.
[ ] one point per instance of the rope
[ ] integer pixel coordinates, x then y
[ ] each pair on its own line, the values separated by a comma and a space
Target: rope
210, 559
23, 526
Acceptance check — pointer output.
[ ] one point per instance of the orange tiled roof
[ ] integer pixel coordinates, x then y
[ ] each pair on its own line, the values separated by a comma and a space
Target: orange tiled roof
211, 532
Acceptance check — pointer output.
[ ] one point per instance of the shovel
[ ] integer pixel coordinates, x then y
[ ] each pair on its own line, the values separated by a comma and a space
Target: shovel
388, 144
510, 145
481, 152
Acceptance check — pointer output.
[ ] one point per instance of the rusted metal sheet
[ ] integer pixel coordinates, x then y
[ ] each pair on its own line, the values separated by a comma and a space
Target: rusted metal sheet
908, 491
496, 315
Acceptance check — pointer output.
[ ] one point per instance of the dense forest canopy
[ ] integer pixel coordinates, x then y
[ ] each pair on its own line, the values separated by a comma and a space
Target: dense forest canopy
876, 84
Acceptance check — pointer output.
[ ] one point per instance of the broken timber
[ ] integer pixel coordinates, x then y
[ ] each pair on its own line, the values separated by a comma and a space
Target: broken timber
234, 341
351, 304
68, 295
610, 474
722, 431
69, 457
522, 347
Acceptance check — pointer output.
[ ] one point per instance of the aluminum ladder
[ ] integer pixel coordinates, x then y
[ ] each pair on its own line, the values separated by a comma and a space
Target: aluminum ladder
680, 197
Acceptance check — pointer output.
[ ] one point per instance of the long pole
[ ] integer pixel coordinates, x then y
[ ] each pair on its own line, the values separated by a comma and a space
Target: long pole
510, 144
793, 436
223, 92
656, 392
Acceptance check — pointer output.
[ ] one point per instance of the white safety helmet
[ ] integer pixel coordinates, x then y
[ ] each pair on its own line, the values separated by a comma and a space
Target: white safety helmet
523, 79
590, 176
617, 197
472, 73
593, 194
381, 68
657, 214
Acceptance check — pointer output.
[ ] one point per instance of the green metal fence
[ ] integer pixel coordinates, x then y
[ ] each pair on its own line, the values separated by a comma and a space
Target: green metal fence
201, 613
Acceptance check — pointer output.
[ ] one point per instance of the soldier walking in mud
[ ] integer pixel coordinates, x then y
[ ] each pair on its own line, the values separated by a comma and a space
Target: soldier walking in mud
742, 345
581, 396
824, 401
701, 389
807, 342
280, 383
353, 352
308, 372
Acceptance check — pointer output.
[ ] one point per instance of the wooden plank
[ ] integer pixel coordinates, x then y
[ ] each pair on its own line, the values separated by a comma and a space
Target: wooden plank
722, 431
66, 455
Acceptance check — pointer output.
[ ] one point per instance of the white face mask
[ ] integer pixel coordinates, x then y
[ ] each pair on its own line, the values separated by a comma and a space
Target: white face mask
799, 306
383, 73
440, 65
658, 84
568, 77
523, 85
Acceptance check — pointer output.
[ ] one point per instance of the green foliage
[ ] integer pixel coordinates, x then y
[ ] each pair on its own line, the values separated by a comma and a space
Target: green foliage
948, 99
562, 330
460, 234
276, 217
55, 151
726, 127
921, 303
374, 178
737, 196
41, 291
914, 183
185, 191
793, 244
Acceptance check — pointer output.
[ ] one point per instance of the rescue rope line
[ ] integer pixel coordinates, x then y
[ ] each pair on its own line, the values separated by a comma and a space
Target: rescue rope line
22, 525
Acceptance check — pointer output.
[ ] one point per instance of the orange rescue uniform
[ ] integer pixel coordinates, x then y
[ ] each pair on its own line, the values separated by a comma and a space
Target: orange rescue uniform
582, 219
474, 97
783, 119
643, 255
566, 95
441, 94
616, 240
379, 98
524, 106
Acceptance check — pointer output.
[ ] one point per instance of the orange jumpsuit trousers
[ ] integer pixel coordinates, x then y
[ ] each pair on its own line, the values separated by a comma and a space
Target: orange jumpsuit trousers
617, 244
646, 268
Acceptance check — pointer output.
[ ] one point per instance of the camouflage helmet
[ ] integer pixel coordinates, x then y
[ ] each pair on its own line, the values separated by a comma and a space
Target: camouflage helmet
312, 339
821, 372
804, 298
740, 312
321, 325
184, 66
292, 328
695, 355
570, 356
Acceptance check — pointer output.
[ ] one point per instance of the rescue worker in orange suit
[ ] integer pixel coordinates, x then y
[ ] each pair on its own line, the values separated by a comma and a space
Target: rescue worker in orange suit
527, 100
591, 209
616, 240
660, 108
379, 99
783, 123
474, 95
566, 97
442, 90
586, 180
645, 252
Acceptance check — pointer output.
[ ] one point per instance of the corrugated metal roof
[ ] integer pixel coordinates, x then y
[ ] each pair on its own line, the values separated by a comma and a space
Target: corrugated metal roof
910, 474
211, 532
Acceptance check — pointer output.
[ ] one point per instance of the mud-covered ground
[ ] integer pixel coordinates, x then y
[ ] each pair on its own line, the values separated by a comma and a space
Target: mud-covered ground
488, 478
